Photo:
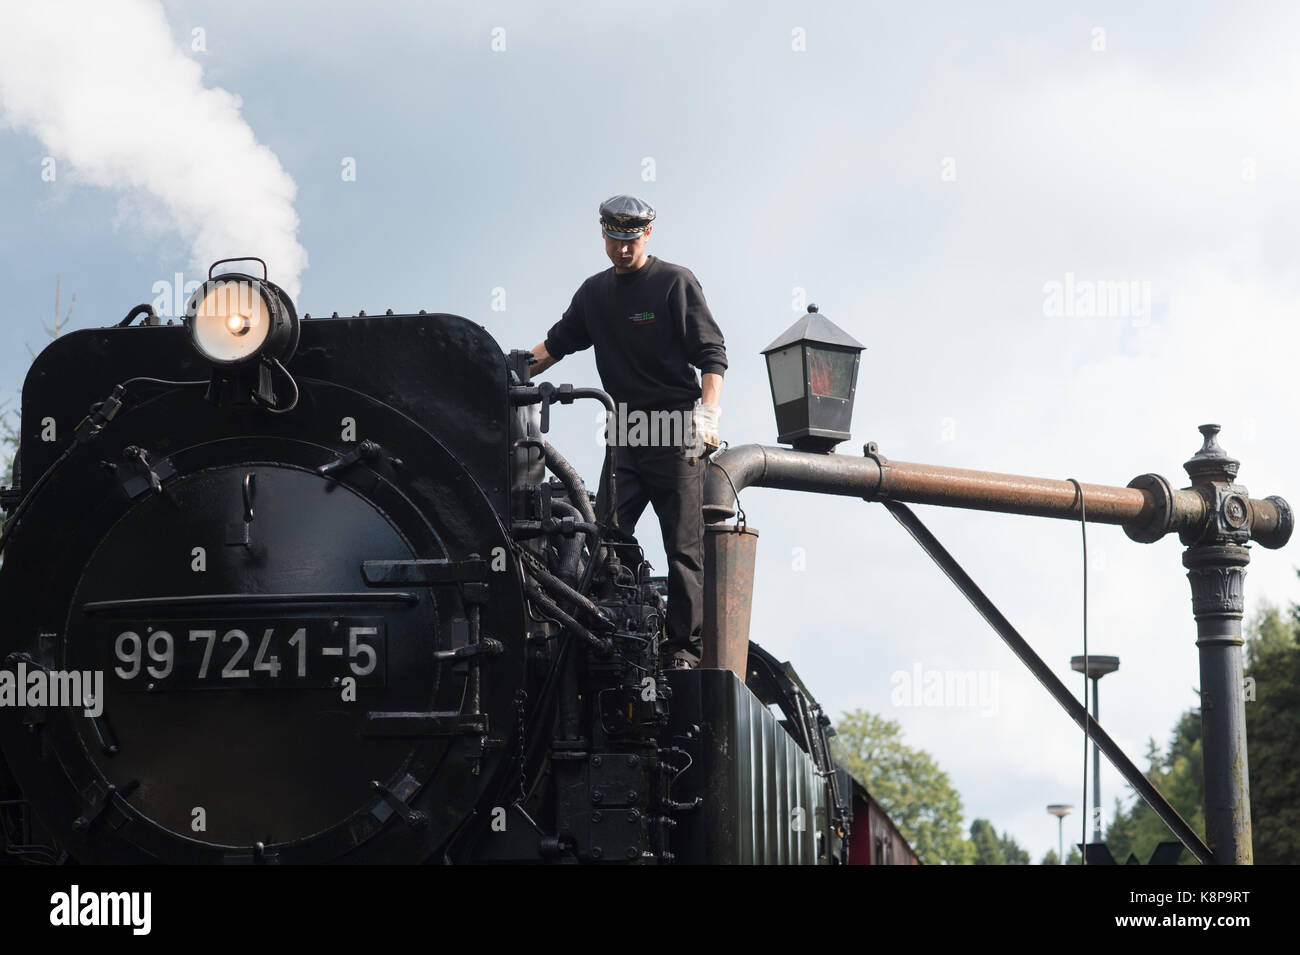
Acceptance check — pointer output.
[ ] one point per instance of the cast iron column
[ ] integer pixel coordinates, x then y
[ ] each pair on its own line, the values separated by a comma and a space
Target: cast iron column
1216, 561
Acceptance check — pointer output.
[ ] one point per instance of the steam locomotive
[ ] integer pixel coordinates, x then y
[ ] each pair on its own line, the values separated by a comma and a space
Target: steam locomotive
316, 599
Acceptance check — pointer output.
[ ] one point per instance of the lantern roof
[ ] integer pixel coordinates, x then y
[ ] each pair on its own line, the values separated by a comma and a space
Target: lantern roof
816, 328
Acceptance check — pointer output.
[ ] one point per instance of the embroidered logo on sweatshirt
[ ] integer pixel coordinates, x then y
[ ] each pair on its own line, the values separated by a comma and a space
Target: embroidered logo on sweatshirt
641, 318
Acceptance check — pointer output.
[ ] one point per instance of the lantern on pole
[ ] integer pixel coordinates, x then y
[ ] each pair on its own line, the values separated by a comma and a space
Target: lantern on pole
813, 370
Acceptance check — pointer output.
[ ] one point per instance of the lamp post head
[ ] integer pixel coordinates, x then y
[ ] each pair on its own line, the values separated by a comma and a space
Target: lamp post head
1098, 666
1060, 810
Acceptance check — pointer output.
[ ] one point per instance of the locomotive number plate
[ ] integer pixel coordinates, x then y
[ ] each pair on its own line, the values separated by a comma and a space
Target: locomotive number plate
248, 654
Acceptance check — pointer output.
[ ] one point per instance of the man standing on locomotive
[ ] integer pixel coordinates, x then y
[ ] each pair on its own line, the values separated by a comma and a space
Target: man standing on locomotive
649, 323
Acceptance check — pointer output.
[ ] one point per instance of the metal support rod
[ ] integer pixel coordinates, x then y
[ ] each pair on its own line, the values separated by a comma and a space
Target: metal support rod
1020, 647
1096, 764
1095, 666
475, 676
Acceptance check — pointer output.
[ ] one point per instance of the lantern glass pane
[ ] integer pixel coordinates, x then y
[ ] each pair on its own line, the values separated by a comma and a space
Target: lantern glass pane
830, 373
786, 370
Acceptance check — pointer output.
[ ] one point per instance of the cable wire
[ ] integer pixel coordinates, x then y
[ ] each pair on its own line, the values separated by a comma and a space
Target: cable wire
740, 511
143, 380
285, 409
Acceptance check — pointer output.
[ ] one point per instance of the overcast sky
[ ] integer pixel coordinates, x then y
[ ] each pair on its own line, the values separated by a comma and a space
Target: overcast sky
922, 172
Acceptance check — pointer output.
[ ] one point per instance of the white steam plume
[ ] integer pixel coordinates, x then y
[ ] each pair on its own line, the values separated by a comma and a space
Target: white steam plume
106, 88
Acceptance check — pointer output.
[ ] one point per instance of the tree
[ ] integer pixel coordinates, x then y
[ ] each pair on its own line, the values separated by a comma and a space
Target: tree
993, 849
1051, 858
1011, 850
9, 418
914, 792
1268, 634
1273, 734
53, 329
1179, 775
1272, 657
8, 441
985, 840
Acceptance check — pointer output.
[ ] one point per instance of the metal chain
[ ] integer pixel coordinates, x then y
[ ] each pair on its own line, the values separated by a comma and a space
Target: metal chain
521, 699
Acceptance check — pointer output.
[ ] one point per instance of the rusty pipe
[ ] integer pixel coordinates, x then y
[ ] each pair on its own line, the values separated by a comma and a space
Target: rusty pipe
1148, 508
990, 491
729, 554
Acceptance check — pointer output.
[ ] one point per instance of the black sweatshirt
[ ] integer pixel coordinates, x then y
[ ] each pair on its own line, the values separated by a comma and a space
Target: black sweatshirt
648, 327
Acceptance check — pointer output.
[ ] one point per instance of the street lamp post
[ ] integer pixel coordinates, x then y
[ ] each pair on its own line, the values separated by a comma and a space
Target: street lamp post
1060, 811
1097, 668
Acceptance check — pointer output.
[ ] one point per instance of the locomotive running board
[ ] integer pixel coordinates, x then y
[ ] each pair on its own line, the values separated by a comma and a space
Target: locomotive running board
1021, 648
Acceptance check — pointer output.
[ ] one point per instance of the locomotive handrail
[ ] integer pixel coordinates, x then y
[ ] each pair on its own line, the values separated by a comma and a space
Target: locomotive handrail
248, 600
546, 393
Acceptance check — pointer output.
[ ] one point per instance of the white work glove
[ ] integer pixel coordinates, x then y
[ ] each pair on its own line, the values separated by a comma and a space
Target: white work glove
704, 430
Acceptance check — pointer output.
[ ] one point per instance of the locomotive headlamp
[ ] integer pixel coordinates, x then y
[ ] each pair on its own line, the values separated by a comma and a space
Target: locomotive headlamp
244, 327
813, 369
236, 318
231, 322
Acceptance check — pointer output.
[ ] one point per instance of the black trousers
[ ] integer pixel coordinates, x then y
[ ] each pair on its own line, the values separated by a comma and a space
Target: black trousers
662, 477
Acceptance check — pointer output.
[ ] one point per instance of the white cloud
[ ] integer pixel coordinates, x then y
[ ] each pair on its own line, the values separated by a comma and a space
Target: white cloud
107, 90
